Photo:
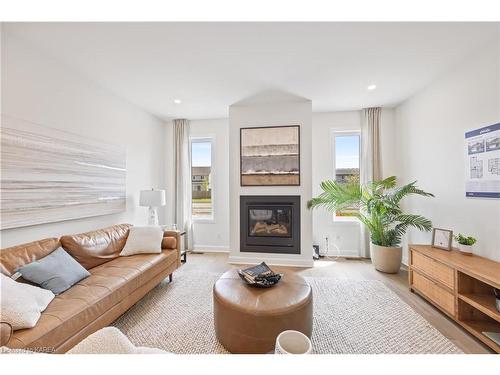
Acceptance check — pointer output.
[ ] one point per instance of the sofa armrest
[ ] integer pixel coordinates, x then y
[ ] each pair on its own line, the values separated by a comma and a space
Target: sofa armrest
5, 333
177, 235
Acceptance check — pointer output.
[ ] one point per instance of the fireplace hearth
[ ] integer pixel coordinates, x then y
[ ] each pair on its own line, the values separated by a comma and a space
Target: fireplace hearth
270, 224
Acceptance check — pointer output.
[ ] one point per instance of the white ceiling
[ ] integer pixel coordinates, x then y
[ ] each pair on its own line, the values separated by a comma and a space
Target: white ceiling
209, 66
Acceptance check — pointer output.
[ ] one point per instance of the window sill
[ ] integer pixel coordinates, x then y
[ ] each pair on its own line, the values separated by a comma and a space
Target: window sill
204, 220
345, 220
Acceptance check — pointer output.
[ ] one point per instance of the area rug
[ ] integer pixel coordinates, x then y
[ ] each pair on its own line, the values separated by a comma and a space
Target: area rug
350, 317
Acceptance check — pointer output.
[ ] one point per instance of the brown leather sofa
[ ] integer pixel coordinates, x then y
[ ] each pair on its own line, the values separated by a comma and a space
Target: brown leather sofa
115, 284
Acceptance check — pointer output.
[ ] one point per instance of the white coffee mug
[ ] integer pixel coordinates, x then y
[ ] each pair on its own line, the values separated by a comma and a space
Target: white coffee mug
292, 342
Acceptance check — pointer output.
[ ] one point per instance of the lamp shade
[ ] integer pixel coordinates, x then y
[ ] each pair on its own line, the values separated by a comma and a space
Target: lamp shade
152, 198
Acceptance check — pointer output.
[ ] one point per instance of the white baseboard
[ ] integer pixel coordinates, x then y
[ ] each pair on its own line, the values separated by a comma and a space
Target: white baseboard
211, 249
288, 262
343, 253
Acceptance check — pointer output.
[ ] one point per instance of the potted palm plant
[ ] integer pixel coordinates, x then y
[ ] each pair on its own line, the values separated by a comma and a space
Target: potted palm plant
377, 206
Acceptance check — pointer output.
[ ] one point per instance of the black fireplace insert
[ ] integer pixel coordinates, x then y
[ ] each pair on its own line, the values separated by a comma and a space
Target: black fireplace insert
270, 224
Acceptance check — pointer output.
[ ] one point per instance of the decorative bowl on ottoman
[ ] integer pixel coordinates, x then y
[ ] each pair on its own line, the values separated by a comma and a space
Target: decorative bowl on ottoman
248, 320
260, 276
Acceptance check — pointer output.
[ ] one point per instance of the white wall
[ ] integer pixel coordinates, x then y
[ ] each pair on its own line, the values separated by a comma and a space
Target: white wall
37, 88
279, 110
214, 235
430, 139
343, 236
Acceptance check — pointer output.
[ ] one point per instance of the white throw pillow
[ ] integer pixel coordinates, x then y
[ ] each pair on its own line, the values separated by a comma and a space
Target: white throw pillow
143, 240
21, 304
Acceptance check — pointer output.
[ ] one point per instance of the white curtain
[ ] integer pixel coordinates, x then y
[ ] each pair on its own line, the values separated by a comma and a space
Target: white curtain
182, 177
370, 161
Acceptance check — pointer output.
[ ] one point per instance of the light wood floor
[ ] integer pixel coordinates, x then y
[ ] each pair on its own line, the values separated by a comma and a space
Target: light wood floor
362, 270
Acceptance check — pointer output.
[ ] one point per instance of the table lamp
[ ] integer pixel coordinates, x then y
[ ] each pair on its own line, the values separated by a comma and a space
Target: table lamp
152, 199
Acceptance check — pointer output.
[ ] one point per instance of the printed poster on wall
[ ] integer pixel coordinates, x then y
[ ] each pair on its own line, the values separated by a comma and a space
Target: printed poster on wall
482, 147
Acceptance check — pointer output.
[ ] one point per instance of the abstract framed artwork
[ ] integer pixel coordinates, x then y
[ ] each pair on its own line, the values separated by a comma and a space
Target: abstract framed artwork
270, 156
48, 175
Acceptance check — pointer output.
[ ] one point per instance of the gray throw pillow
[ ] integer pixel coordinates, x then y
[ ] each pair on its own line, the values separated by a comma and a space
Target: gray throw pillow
57, 271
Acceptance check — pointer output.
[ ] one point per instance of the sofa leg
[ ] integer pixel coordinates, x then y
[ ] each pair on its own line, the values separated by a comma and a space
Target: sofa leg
170, 278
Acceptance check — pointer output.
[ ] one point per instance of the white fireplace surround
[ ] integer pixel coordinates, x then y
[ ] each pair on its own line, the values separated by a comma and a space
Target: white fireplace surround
271, 109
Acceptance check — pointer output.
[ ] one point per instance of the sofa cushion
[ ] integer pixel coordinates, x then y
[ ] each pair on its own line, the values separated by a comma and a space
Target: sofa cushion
11, 258
135, 270
57, 271
94, 248
92, 297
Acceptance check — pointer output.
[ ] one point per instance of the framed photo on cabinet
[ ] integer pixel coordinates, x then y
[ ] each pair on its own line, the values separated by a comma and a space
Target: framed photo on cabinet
441, 238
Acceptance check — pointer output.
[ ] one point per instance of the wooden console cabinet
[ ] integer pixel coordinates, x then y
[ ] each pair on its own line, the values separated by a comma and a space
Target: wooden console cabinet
459, 285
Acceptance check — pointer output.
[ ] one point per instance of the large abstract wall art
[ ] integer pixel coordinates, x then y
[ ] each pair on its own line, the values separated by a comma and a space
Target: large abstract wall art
270, 156
48, 175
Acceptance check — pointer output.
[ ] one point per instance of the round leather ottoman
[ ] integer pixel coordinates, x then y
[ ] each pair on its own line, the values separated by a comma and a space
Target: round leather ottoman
248, 319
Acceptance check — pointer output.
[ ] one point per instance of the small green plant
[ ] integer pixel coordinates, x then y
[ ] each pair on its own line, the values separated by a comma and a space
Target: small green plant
462, 240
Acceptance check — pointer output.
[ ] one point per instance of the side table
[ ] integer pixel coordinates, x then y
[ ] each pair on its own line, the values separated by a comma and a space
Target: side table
183, 251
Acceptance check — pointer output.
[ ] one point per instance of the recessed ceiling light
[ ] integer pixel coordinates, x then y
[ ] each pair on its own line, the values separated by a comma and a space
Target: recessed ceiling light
372, 87
177, 101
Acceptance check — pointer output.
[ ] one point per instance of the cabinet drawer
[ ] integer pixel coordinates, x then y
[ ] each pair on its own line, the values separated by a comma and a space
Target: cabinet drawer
434, 292
434, 269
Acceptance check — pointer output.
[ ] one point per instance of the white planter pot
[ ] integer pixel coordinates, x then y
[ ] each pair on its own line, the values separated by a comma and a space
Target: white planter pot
466, 249
386, 259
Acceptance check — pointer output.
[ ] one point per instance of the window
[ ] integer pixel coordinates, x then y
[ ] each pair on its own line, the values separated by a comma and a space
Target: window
201, 178
346, 150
